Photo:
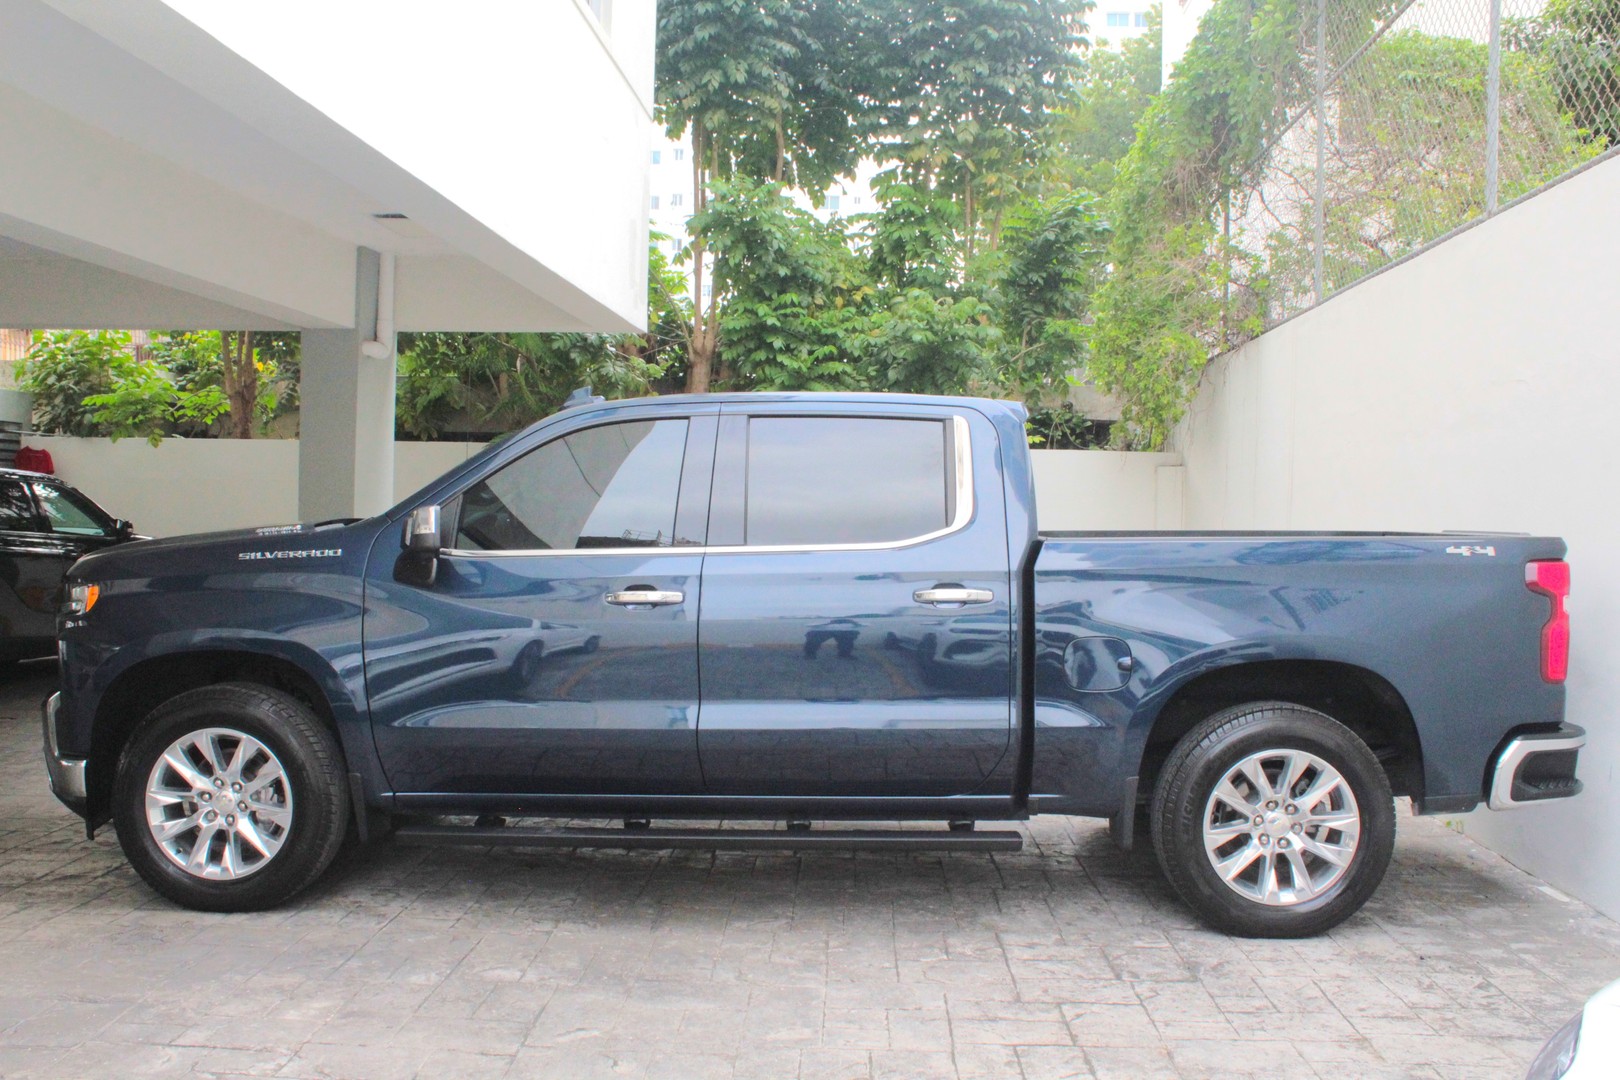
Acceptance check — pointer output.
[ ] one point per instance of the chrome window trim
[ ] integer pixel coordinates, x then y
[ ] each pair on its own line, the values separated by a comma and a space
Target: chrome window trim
962, 461
1513, 755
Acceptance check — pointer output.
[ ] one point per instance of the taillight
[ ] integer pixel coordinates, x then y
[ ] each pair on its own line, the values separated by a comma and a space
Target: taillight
1551, 578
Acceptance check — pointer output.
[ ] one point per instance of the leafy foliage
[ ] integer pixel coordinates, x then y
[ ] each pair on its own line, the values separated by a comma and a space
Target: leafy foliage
1576, 43
787, 282
93, 384
1405, 165
1052, 257
965, 93
1096, 124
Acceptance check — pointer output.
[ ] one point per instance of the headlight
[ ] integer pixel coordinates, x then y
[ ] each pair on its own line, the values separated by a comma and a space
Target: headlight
80, 599
1558, 1054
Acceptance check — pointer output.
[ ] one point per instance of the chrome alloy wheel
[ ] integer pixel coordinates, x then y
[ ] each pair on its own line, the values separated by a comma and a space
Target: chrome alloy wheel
219, 804
1281, 827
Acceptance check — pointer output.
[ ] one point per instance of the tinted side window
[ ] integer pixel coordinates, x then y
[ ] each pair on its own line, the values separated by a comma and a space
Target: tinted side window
17, 509
70, 512
609, 486
844, 480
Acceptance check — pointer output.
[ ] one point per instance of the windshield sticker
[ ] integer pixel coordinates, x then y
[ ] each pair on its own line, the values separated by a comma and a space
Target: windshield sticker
293, 553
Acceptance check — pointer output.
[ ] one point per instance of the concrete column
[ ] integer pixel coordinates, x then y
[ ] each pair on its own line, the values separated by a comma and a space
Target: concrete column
346, 414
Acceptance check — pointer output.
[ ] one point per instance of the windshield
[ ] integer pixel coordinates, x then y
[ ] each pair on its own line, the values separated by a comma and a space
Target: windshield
67, 511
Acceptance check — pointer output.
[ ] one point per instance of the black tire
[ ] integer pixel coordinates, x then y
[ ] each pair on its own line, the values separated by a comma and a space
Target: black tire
1186, 785
312, 763
526, 666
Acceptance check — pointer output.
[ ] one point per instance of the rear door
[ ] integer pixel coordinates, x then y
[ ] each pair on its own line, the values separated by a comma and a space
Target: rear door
856, 634
556, 650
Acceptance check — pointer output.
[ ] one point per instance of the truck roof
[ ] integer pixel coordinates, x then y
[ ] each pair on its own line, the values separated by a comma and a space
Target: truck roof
807, 397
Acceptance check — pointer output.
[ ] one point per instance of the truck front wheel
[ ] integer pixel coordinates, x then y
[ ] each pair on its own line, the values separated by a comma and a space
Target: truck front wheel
1273, 820
230, 798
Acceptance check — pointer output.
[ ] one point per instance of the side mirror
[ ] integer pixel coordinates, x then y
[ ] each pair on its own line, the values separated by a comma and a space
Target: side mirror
422, 536
124, 529
420, 544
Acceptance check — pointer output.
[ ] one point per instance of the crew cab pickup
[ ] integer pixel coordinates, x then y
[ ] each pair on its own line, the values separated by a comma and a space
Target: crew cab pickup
809, 609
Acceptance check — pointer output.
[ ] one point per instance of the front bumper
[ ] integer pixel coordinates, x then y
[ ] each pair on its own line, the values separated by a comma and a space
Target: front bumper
1535, 767
67, 774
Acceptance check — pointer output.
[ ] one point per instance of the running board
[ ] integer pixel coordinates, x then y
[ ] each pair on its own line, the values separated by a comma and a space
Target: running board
713, 839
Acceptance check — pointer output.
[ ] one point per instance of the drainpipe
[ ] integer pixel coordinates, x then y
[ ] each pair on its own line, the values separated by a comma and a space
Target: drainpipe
381, 347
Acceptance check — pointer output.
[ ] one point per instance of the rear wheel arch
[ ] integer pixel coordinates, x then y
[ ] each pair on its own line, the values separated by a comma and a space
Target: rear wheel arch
1357, 697
142, 687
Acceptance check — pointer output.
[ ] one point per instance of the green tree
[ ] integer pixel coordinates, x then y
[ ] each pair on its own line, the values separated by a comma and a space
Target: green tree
1576, 44
1051, 260
94, 384
1095, 127
967, 94
766, 89
926, 343
1170, 302
790, 289
63, 368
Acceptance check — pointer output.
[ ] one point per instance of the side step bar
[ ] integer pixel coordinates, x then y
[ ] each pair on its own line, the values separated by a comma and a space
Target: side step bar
713, 839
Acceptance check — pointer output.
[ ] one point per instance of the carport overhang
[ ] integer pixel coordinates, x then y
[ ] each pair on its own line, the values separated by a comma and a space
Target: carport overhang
189, 164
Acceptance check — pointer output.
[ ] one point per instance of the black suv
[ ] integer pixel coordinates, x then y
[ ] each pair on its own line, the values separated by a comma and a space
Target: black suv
45, 526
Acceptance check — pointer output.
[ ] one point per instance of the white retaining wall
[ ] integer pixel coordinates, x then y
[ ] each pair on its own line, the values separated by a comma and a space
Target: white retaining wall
1100, 490
1474, 387
204, 485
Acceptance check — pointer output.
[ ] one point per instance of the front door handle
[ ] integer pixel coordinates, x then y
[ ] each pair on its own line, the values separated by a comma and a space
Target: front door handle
644, 598
953, 595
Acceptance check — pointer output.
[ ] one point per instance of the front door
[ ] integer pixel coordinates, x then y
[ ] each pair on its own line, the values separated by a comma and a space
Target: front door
856, 636
45, 527
556, 650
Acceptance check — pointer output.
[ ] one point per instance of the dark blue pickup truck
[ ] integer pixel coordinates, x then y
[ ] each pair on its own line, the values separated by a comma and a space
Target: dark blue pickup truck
812, 609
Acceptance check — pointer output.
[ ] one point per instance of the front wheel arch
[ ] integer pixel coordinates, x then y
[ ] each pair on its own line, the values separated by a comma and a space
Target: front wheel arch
194, 776
146, 684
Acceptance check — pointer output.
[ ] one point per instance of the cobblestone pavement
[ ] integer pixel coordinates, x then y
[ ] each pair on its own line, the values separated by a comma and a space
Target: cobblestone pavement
1067, 960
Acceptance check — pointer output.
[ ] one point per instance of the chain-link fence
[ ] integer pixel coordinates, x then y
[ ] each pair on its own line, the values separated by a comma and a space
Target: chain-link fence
1425, 116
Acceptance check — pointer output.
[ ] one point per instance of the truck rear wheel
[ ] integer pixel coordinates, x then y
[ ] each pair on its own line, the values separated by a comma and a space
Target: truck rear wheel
1273, 820
231, 798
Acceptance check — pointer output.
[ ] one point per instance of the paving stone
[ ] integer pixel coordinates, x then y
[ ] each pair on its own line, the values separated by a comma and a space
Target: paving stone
1069, 960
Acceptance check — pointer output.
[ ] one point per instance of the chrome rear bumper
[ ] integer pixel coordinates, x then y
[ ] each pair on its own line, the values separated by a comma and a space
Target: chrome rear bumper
67, 774
1537, 767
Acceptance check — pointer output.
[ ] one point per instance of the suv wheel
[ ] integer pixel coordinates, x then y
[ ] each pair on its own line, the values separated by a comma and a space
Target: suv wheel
231, 798
1273, 820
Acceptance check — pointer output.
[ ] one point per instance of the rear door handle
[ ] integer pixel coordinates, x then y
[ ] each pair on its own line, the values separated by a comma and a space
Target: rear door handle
953, 595
644, 598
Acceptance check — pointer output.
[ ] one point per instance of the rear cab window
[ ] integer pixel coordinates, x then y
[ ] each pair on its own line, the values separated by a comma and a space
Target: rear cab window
805, 480
800, 489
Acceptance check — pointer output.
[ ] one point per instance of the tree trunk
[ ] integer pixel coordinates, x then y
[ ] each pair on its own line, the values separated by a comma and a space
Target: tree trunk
241, 380
970, 223
701, 347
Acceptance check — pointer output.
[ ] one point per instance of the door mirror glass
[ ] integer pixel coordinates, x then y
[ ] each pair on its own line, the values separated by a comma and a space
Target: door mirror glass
422, 535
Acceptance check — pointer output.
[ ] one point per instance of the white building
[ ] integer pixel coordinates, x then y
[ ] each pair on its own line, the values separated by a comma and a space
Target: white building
1114, 21
341, 169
